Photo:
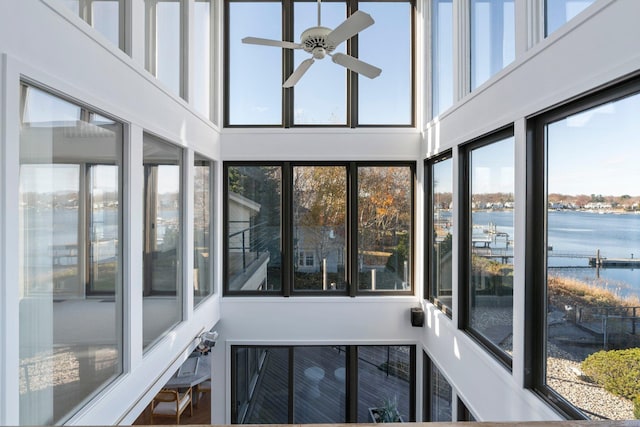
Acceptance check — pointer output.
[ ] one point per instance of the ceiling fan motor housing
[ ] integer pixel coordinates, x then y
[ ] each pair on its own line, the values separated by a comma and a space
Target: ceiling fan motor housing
314, 40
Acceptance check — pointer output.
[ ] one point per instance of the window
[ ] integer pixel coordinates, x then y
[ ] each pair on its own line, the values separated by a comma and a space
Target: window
319, 230
202, 235
316, 251
313, 384
387, 44
438, 394
327, 94
314, 103
385, 206
385, 380
164, 41
464, 414
254, 73
441, 56
162, 257
583, 279
106, 16
253, 226
492, 38
559, 12
69, 226
439, 236
202, 44
488, 241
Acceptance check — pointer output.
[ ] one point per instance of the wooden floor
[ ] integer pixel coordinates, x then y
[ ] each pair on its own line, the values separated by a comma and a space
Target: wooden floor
201, 415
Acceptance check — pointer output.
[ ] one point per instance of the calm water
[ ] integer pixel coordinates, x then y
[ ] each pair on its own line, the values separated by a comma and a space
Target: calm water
577, 234
574, 236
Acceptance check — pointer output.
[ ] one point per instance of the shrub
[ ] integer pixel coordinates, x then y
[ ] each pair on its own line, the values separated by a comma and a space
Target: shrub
618, 371
636, 407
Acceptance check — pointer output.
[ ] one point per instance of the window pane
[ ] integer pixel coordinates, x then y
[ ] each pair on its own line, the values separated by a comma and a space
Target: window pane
202, 57
441, 56
441, 396
104, 227
162, 297
384, 227
386, 100
442, 238
320, 96
69, 228
593, 238
105, 17
254, 258
255, 72
559, 12
319, 232
319, 385
384, 382
492, 38
202, 256
164, 47
491, 233
261, 385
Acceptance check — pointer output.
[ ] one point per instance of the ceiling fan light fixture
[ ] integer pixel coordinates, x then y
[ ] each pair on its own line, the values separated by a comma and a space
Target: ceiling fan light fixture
322, 41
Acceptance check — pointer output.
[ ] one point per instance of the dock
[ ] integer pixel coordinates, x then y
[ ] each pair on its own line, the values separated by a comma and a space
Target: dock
614, 262
599, 261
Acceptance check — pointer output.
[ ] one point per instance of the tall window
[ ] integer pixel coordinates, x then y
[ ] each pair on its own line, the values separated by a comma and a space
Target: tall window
559, 12
492, 38
488, 242
106, 16
385, 200
70, 220
202, 44
164, 40
584, 251
441, 56
438, 394
320, 104
254, 73
314, 384
253, 228
350, 230
387, 44
319, 230
202, 236
162, 257
439, 234
327, 93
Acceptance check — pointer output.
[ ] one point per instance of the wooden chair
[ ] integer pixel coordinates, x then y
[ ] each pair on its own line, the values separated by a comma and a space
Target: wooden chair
170, 403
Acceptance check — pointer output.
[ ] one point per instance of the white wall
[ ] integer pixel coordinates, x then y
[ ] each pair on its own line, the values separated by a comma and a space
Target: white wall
599, 46
45, 44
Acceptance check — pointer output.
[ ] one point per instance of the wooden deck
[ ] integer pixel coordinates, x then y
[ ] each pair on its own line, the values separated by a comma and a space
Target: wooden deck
324, 400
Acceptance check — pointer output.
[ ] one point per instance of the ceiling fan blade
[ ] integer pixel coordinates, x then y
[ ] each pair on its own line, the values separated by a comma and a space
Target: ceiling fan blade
356, 65
298, 72
269, 42
350, 27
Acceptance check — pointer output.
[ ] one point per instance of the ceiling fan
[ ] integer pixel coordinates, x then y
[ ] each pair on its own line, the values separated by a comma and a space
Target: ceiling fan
320, 41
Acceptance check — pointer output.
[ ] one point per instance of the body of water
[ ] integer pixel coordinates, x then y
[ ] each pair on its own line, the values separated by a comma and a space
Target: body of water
574, 236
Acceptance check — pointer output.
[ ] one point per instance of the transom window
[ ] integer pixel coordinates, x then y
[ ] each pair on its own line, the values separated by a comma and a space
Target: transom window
328, 93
